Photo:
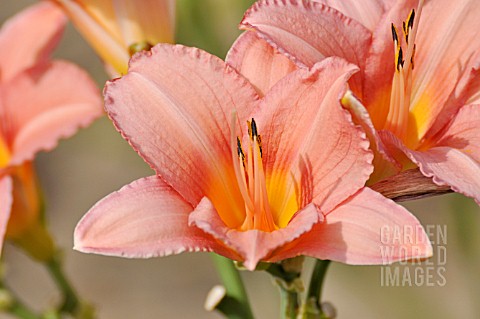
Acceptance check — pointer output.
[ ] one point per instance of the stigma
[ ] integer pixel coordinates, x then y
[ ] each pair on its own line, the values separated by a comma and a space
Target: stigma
401, 92
250, 175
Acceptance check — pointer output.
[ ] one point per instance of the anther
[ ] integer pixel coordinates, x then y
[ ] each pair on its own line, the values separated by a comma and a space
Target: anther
254, 129
411, 18
400, 59
240, 152
394, 34
259, 141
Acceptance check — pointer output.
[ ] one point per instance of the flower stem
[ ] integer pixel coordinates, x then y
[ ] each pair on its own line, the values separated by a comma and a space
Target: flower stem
235, 289
287, 276
71, 302
314, 293
289, 304
288, 294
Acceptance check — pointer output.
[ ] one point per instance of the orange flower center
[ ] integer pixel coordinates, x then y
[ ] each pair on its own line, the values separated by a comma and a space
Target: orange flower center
4, 154
399, 119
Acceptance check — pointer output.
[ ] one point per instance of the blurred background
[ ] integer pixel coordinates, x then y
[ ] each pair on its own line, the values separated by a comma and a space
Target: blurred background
97, 161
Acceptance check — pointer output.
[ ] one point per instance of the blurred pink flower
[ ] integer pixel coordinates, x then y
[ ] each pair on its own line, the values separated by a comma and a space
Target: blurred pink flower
253, 179
416, 95
117, 28
41, 101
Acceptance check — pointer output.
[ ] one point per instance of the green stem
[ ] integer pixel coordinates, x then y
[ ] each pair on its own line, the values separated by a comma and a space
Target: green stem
289, 304
314, 293
71, 302
235, 289
287, 276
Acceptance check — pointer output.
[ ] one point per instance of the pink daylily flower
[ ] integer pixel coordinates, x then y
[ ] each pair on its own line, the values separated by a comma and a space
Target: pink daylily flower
41, 101
116, 28
250, 178
417, 91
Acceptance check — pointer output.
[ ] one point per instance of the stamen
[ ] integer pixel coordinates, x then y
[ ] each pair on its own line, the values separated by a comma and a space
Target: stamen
413, 56
239, 171
413, 28
400, 59
240, 153
395, 35
252, 183
262, 217
410, 19
397, 118
254, 129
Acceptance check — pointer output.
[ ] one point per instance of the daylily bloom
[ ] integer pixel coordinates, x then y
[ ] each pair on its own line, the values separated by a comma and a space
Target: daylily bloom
41, 101
418, 85
118, 28
253, 179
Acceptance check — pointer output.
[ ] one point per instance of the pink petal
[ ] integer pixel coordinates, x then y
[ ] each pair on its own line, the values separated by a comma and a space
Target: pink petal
6, 200
47, 103
175, 107
252, 245
450, 166
310, 140
447, 39
447, 165
368, 13
29, 37
463, 132
467, 91
309, 32
367, 229
259, 62
146, 218
380, 65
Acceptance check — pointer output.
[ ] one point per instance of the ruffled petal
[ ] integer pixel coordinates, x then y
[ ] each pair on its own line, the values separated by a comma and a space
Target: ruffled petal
175, 108
47, 103
447, 39
309, 32
259, 62
253, 245
6, 199
367, 229
310, 144
144, 219
450, 166
368, 13
29, 37
445, 164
